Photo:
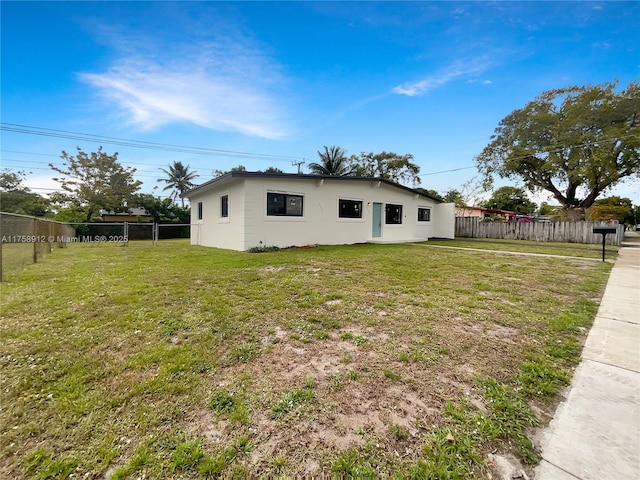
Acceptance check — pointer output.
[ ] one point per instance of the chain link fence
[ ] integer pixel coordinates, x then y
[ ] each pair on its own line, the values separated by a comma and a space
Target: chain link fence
25, 239
124, 231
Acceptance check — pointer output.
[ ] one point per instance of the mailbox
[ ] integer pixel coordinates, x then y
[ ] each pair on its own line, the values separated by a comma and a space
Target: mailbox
604, 231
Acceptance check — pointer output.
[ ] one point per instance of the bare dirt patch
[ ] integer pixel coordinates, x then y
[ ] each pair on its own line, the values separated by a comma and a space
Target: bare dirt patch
352, 401
272, 269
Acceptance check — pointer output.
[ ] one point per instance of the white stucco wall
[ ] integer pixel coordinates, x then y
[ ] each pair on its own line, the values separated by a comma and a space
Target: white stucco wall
214, 230
248, 223
445, 220
320, 223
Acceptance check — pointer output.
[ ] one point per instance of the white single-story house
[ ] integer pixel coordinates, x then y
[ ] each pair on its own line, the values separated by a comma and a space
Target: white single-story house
241, 210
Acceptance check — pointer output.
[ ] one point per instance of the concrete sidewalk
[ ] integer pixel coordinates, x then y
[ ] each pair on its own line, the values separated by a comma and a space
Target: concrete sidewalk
595, 433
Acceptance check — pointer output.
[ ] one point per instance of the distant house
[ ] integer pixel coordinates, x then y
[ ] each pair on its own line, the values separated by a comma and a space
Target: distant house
482, 212
134, 214
240, 210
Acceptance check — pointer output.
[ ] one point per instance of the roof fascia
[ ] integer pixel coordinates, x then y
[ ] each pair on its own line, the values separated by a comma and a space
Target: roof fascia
231, 175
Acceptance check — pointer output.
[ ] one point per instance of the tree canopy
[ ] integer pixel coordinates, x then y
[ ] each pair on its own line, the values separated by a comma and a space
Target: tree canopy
574, 142
430, 192
387, 165
95, 181
510, 198
237, 168
454, 196
15, 197
179, 179
333, 161
615, 208
272, 170
162, 210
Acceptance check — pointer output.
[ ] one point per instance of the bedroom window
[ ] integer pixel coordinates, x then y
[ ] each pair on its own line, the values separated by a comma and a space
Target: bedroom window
424, 214
349, 208
284, 205
392, 214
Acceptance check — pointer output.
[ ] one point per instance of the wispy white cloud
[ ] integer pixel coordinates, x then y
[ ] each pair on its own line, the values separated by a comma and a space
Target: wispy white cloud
221, 86
456, 71
481, 82
602, 45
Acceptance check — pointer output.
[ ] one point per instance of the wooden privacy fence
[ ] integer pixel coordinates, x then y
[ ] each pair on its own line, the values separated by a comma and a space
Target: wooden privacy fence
571, 232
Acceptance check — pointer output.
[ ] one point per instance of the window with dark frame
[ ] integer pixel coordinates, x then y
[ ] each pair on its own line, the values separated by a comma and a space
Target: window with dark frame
349, 208
224, 206
199, 210
284, 205
424, 214
392, 214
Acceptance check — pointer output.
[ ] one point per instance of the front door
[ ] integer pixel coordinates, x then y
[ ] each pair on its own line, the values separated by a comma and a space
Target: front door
377, 220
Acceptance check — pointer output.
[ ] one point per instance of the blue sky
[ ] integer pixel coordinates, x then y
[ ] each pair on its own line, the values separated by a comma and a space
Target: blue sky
280, 80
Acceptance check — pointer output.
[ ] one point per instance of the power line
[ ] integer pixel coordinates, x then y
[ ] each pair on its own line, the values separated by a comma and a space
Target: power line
47, 163
32, 153
4, 165
446, 171
16, 167
50, 132
556, 150
66, 191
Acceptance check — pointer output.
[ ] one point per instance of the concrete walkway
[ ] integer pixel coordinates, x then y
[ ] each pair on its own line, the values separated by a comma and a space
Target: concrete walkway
595, 433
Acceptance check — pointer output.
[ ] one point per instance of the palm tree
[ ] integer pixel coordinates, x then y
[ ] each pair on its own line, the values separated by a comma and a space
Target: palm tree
333, 161
179, 179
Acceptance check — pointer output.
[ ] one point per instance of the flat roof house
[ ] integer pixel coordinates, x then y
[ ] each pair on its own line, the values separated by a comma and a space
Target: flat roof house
240, 210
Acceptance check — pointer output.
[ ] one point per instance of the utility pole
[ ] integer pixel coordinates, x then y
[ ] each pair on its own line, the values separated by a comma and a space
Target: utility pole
299, 165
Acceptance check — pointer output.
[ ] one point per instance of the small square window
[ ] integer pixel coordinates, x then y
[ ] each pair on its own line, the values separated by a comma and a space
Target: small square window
224, 206
393, 214
349, 208
424, 214
199, 210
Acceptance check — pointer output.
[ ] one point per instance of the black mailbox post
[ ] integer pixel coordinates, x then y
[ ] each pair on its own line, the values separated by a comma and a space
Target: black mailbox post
603, 231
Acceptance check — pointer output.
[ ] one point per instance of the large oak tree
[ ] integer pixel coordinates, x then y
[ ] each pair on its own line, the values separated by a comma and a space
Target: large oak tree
574, 142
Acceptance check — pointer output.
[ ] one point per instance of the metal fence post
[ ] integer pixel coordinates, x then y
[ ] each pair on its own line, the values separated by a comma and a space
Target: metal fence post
35, 244
50, 237
154, 233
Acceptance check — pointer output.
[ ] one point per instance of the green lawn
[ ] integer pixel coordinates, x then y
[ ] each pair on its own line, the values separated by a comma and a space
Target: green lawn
548, 248
15, 256
366, 360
